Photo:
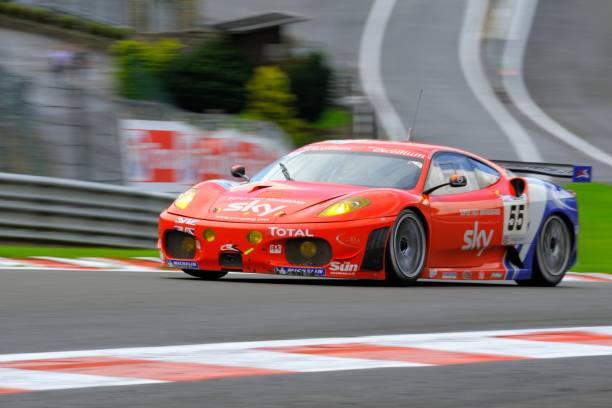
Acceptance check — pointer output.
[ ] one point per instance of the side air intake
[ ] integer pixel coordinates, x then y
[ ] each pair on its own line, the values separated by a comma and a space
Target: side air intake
375, 250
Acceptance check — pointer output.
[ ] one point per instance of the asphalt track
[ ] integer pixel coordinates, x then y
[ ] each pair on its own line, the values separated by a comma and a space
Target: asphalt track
68, 310
568, 65
78, 310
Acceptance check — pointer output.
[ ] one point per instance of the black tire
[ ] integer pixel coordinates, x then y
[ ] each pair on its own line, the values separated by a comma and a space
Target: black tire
552, 253
205, 275
407, 249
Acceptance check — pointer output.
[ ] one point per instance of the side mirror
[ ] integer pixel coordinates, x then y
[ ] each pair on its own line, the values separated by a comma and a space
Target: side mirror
239, 172
457, 180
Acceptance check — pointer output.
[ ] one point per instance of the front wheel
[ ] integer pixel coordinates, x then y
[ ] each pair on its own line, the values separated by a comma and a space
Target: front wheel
205, 275
407, 249
553, 250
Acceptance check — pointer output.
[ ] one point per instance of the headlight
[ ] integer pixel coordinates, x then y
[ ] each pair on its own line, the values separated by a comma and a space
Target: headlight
184, 199
345, 206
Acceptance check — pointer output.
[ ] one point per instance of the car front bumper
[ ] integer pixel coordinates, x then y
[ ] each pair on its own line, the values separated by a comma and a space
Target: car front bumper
348, 241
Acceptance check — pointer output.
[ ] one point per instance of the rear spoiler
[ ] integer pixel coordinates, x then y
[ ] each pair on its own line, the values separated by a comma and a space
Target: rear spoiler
576, 173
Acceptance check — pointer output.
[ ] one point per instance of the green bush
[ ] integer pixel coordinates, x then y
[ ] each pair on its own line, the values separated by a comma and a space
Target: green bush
138, 82
269, 95
139, 67
310, 83
210, 77
270, 99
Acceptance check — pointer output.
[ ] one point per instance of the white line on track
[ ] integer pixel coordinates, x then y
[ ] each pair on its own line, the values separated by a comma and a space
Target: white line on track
370, 55
45, 380
11, 263
79, 262
473, 71
148, 258
513, 58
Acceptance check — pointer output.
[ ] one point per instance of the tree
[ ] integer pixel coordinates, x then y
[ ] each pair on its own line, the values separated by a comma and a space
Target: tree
212, 76
271, 99
269, 95
310, 83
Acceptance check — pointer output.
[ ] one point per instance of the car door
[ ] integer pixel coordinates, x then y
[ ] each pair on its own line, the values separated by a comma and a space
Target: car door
465, 222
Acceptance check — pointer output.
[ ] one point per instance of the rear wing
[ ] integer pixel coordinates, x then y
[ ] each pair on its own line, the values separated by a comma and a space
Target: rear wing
579, 174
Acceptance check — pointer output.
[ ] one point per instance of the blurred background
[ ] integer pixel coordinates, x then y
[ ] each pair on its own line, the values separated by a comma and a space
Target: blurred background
109, 108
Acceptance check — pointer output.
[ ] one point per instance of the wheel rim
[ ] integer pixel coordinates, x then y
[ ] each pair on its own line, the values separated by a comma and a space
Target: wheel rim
408, 246
553, 246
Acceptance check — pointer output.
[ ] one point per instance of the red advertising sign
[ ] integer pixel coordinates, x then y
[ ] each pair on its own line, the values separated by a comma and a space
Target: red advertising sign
169, 156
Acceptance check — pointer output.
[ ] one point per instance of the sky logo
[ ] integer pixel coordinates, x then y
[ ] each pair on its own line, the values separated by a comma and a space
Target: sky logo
582, 174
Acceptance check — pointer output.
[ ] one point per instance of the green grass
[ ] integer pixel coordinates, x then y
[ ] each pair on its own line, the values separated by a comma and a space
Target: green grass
76, 252
595, 240
332, 118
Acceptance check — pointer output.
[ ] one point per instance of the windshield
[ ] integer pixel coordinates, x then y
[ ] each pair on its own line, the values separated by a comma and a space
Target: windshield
355, 168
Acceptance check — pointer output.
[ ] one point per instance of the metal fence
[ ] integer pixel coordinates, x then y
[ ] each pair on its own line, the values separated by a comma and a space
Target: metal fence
52, 125
48, 210
19, 143
59, 125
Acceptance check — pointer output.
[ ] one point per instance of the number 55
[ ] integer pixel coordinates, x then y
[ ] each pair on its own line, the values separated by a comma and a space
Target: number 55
516, 219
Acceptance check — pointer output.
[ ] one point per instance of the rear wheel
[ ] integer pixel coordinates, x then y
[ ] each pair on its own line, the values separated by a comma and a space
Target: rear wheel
206, 275
552, 254
406, 249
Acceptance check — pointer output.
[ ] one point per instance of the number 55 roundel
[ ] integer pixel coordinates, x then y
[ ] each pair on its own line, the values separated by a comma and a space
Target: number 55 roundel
516, 214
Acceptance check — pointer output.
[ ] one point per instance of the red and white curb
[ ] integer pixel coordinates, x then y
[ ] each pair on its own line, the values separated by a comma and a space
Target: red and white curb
21, 373
151, 264
587, 277
139, 264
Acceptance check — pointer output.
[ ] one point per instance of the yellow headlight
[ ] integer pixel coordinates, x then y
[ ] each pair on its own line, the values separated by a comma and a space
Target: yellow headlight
184, 199
308, 249
254, 237
209, 235
345, 206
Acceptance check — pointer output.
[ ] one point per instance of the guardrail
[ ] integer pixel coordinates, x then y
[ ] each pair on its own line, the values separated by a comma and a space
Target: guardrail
60, 211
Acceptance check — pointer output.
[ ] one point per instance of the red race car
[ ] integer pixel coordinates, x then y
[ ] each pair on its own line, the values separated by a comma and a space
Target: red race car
365, 209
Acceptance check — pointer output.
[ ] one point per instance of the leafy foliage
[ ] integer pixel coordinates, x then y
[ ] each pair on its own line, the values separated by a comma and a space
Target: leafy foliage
270, 98
140, 65
310, 82
269, 95
211, 77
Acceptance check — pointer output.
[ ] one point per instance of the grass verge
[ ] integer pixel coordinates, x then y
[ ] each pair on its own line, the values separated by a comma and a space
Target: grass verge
333, 118
595, 240
76, 252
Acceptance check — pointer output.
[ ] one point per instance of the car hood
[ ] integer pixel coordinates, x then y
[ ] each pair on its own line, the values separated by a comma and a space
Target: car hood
274, 201
289, 202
